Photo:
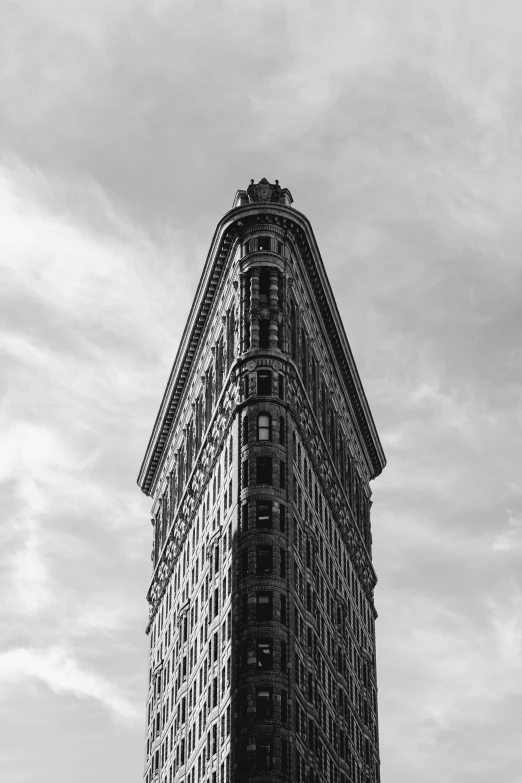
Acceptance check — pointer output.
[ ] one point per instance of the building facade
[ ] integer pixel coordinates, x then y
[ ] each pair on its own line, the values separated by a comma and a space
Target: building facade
262, 618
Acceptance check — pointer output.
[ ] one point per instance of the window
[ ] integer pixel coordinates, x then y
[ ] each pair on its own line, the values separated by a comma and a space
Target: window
244, 516
264, 703
264, 513
263, 753
264, 324
284, 706
282, 474
283, 656
284, 755
264, 382
263, 470
245, 473
283, 609
263, 243
280, 248
264, 606
245, 430
282, 518
263, 559
264, 286
264, 426
264, 653
282, 563
282, 438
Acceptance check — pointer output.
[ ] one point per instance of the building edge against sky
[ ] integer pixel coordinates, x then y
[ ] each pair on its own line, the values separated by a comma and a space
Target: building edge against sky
262, 619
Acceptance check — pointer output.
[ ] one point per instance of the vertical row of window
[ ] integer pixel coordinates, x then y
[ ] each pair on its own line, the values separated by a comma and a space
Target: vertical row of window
260, 311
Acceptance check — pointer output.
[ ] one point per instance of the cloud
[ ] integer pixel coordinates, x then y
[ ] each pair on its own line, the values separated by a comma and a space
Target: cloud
63, 675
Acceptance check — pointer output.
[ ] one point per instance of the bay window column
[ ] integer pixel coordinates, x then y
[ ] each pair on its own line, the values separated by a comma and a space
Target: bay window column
254, 307
273, 300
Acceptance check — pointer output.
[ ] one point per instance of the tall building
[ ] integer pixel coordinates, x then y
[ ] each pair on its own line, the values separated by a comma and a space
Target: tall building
262, 619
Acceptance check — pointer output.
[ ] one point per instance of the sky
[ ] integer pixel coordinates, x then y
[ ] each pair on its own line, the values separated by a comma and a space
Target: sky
126, 129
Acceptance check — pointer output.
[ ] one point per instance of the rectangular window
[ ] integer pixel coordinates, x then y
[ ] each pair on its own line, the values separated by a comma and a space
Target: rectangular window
283, 656
264, 335
264, 606
264, 653
281, 386
284, 755
264, 559
244, 517
284, 706
264, 379
282, 563
282, 438
263, 470
283, 609
263, 753
282, 518
282, 474
264, 513
263, 243
264, 703
245, 473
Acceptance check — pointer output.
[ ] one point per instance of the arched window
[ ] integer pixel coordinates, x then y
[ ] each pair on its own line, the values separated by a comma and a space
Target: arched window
264, 426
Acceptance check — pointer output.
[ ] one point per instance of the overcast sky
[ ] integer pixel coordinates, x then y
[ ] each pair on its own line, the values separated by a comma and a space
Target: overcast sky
127, 127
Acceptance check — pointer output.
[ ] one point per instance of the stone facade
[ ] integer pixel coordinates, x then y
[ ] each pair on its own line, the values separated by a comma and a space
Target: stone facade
262, 620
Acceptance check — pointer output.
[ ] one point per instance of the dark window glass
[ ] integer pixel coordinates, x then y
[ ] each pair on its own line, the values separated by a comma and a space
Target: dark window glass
284, 755
283, 563
282, 518
264, 287
280, 248
264, 334
284, 706
263, 243
245, 473
264, 559
245, 430
264, 382
264, 513
264, 703
263, 753
282, 474
263, 470
282, 438
244, 516
264, 426
264, 653
283, 656
264, 606
283, 609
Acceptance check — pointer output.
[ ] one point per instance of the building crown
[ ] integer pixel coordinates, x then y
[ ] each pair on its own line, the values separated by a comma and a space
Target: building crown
263, 192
